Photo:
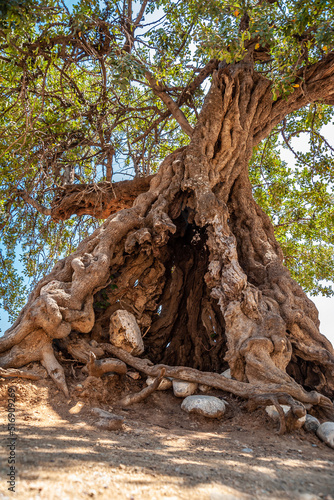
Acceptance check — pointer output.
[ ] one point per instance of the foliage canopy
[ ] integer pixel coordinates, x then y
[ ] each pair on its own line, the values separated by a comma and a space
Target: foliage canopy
83, 98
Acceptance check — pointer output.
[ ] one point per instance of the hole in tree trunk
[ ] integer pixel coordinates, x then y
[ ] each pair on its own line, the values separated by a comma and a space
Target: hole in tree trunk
188, 327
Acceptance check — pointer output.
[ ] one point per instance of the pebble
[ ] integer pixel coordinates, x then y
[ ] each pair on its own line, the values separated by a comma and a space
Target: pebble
325, 432
206, 406
165, 383
109, 425
134, 375
183, 389
204, 388
227, 373
108, 421
247, 450
273, 413
105, 414
311, 423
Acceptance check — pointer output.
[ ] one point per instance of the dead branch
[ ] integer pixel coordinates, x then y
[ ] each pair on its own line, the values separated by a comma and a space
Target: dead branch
98, 367
13, 373
80, 349
188, 91
140, 396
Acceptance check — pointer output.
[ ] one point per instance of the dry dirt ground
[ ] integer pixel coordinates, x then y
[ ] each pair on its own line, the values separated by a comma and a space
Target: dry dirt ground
161, 453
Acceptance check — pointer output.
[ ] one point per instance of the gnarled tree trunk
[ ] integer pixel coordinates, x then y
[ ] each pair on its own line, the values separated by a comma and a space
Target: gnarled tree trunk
196, 261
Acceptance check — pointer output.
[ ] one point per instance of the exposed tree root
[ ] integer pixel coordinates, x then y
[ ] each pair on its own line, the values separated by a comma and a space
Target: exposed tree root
13, 373
287, 422
140, 396
54, 369
80, 349
257, 393
97, 368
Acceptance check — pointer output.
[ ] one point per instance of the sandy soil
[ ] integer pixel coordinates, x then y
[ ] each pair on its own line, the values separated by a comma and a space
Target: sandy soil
161, 453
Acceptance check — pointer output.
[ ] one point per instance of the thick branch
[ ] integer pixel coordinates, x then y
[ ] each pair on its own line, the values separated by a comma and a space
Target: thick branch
99, 200
316, 83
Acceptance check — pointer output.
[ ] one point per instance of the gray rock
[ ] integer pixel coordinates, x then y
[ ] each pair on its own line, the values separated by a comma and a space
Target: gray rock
325, 432
108, 421
108, 424
183, 389
165, 383
227, 373
206, 406
104, 413
125, 333
311, 423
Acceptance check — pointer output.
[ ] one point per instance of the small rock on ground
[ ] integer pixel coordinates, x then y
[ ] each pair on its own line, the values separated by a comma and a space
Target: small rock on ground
325, 432
134, 375
183, 389
105, 414
108, 424
311, 423
206, 406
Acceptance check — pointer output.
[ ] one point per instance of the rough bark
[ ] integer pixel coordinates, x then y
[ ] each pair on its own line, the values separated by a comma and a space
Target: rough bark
99, 200
196, 261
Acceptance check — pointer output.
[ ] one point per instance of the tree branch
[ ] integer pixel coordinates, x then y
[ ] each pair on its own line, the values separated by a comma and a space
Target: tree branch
188, 90
171, 105
34, 203
99, 200
316, 83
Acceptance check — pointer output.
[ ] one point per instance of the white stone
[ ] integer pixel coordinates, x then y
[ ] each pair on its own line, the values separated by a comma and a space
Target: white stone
311, 423
227, 373
325, 432
125, 333
183, 389
206, 406
273, 413
165, 383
